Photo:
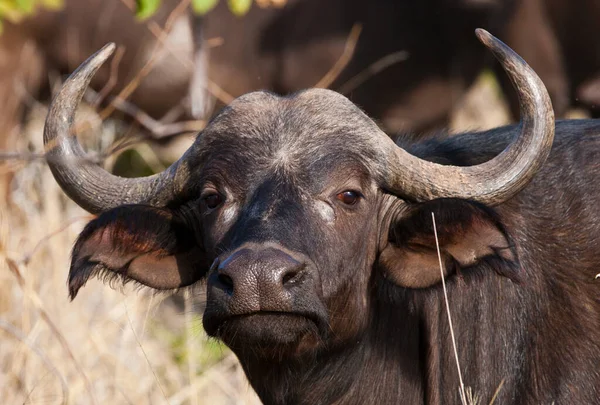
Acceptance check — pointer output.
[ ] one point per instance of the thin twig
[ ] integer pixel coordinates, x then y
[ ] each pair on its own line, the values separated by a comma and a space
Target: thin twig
27, 256
373, 69
21, 156
154, 55
437, 244
95, 158
112, 78
343, 61
161, 34
156, 128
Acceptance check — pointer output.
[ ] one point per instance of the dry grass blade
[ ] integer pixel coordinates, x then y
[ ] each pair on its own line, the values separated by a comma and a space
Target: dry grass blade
14, 332
463, 395
137, 339
497, 392
211, 376
27, 256
14, 268
190, 342
471, 397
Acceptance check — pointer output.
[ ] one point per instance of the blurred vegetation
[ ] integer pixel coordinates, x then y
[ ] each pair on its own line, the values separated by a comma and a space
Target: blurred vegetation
16, 10
212, 351
131, 163
146, 8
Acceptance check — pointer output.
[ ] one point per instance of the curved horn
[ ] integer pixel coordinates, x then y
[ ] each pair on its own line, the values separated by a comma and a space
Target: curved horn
90, 186
503, 176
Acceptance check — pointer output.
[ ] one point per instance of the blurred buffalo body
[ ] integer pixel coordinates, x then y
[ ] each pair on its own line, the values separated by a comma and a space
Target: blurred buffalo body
60, 41
412, 61
559, 39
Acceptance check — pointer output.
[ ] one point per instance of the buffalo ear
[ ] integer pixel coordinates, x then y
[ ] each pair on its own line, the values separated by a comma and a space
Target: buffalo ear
468, 233
137, 243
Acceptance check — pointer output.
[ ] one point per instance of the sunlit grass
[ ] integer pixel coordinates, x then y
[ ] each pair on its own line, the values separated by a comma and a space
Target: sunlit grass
107, 346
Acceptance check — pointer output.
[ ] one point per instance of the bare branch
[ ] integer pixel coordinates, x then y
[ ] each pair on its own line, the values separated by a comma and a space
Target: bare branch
343, 61
373, 69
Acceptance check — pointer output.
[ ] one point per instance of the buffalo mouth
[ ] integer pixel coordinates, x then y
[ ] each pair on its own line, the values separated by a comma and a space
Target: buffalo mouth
267, 332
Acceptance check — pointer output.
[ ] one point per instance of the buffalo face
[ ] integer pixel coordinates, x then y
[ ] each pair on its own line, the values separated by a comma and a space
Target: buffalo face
282, 217
289, 226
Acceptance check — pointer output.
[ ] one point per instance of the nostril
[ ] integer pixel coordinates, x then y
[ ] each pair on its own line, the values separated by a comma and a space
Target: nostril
290, 277
226, 281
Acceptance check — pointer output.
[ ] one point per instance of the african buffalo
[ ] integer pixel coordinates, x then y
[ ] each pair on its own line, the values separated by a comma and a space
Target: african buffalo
314, 232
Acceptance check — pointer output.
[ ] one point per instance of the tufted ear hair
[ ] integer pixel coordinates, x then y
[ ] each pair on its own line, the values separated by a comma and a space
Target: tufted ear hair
151, 246
469, 234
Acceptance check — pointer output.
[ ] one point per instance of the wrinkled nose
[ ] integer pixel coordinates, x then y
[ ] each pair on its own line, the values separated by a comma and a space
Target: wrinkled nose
260, 279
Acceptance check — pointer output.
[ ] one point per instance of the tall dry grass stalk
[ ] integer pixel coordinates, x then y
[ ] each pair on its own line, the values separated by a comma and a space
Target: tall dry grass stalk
108, 346
461, 387
466, 394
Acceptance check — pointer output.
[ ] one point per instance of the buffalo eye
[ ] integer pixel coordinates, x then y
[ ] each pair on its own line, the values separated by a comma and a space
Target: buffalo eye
348, 197
212, 200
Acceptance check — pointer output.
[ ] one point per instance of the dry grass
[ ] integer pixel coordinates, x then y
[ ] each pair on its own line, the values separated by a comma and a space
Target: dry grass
106, 347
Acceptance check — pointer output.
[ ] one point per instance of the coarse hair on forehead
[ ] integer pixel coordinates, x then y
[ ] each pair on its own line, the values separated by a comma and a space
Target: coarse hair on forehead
309, 123
305, 115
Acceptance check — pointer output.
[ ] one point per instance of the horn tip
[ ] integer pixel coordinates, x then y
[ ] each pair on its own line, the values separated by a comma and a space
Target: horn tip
107, 50
93, 63
484, 36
